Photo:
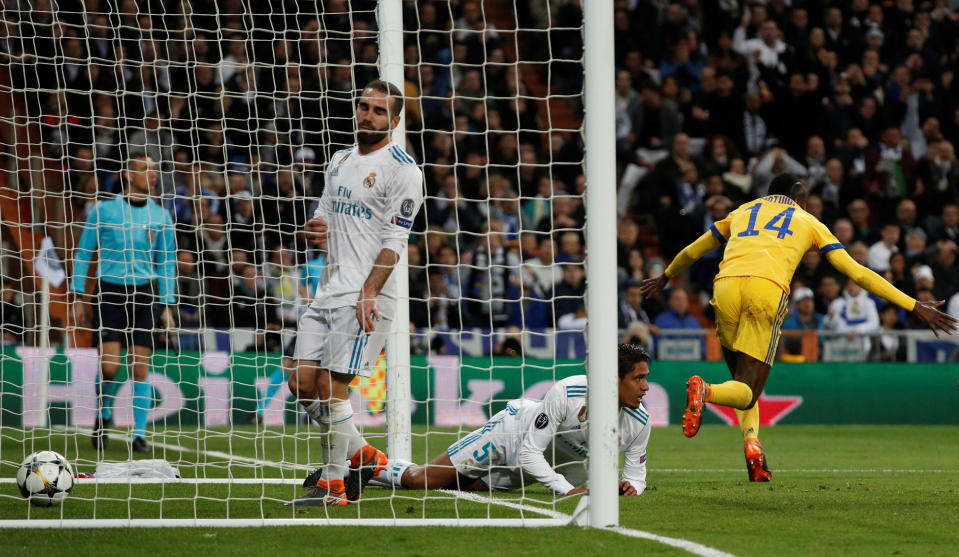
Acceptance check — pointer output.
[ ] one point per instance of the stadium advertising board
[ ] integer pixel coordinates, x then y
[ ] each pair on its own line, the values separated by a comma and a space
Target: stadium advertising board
219, 388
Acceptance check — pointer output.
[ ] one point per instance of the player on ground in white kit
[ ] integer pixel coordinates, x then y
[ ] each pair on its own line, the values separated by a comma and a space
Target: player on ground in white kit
373, 191
544, 442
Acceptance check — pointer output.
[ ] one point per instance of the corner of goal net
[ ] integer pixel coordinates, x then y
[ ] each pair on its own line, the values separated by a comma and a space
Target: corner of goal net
581, 514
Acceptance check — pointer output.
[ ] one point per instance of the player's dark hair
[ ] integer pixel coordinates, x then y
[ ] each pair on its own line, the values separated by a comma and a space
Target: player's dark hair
387, 88
629, 356
784, 184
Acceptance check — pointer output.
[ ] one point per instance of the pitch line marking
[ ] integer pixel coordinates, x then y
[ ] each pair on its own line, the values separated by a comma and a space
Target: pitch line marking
679, 543
815, 470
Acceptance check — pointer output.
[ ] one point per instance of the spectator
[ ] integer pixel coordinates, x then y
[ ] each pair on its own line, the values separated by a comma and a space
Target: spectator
656, 120
725, 108
815, 159
916, 248
938, 177
945, 270
803, 317
810, 271
899, 275
627, 104
631, 307
189, 289
541, 273
769, 57
244, 226
627, 239
283, 286
891, 347
854, 313
156, 141
677, 315
947, 226
633, 271
775, 161
494, 282
830, 188
757, 134
11, 316
844, 231
829, 291
418, 287
908, 216
570, 292
880, 251
862, 229
740, 181
890, 167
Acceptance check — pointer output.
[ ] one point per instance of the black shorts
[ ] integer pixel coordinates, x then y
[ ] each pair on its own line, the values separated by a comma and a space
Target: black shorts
126, 314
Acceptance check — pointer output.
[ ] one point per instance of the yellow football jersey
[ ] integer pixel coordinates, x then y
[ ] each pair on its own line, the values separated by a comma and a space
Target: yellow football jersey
768, 237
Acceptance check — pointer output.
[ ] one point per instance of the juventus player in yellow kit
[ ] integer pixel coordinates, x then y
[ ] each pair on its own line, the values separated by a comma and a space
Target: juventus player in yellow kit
765, 240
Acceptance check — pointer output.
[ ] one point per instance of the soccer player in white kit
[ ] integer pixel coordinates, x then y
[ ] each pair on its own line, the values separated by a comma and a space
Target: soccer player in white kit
540, 442
373, 192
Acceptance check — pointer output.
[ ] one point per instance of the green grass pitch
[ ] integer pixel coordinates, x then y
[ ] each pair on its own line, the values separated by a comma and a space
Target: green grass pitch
836, 490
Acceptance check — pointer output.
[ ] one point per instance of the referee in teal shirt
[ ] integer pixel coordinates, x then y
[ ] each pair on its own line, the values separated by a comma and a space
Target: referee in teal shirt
135, 239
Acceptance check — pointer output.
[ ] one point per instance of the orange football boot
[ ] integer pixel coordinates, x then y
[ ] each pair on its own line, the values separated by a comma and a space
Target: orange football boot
756, 464
697, 391
326, 493
366, 463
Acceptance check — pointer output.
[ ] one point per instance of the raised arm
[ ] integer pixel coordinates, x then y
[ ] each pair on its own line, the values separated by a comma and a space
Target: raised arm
866, 278
710, 240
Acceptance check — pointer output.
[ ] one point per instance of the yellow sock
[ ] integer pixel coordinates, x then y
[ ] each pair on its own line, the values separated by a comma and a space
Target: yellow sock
731, 393
749, 422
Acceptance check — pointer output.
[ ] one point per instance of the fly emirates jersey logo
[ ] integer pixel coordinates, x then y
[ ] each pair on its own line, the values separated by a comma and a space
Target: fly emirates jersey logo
343, 205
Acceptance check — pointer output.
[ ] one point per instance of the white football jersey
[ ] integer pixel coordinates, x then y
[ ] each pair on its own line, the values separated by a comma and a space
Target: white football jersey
542, 437
369, 204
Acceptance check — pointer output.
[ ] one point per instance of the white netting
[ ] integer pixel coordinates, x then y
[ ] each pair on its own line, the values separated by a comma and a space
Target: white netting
241, 105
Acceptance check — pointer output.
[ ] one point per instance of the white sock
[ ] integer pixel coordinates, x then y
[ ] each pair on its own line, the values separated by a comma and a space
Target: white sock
317, 410
392, 475
321, 414
344, 439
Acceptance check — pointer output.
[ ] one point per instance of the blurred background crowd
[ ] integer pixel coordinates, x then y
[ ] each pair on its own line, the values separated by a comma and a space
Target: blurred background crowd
242, 110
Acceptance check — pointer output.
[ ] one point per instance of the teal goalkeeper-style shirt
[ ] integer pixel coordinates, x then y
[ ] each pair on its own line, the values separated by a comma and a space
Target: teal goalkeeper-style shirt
137, 246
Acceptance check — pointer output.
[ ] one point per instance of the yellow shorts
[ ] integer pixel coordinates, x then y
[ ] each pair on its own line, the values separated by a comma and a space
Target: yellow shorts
749, 314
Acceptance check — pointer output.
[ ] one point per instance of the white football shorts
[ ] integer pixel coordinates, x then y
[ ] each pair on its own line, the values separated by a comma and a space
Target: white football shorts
489, 453
334, 339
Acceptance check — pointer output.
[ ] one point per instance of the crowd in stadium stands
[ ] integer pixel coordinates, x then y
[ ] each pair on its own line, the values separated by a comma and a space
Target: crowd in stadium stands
713, 99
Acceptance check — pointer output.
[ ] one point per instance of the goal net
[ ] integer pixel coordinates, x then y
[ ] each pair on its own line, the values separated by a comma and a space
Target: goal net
241, 105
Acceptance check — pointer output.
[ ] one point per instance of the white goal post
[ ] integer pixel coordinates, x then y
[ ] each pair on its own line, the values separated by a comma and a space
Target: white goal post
223, 97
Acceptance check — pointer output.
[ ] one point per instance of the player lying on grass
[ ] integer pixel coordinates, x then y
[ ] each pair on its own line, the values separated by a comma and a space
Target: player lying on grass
539, 441
765, 240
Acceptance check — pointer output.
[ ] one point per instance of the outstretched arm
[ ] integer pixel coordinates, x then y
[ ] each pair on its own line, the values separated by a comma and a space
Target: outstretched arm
927, 313
710, 240
541, 433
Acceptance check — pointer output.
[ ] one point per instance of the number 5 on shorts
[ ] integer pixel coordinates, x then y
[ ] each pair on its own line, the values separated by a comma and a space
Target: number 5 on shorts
486, 449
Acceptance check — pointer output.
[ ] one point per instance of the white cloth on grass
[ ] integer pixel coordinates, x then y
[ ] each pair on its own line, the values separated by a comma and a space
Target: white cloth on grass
154, 468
